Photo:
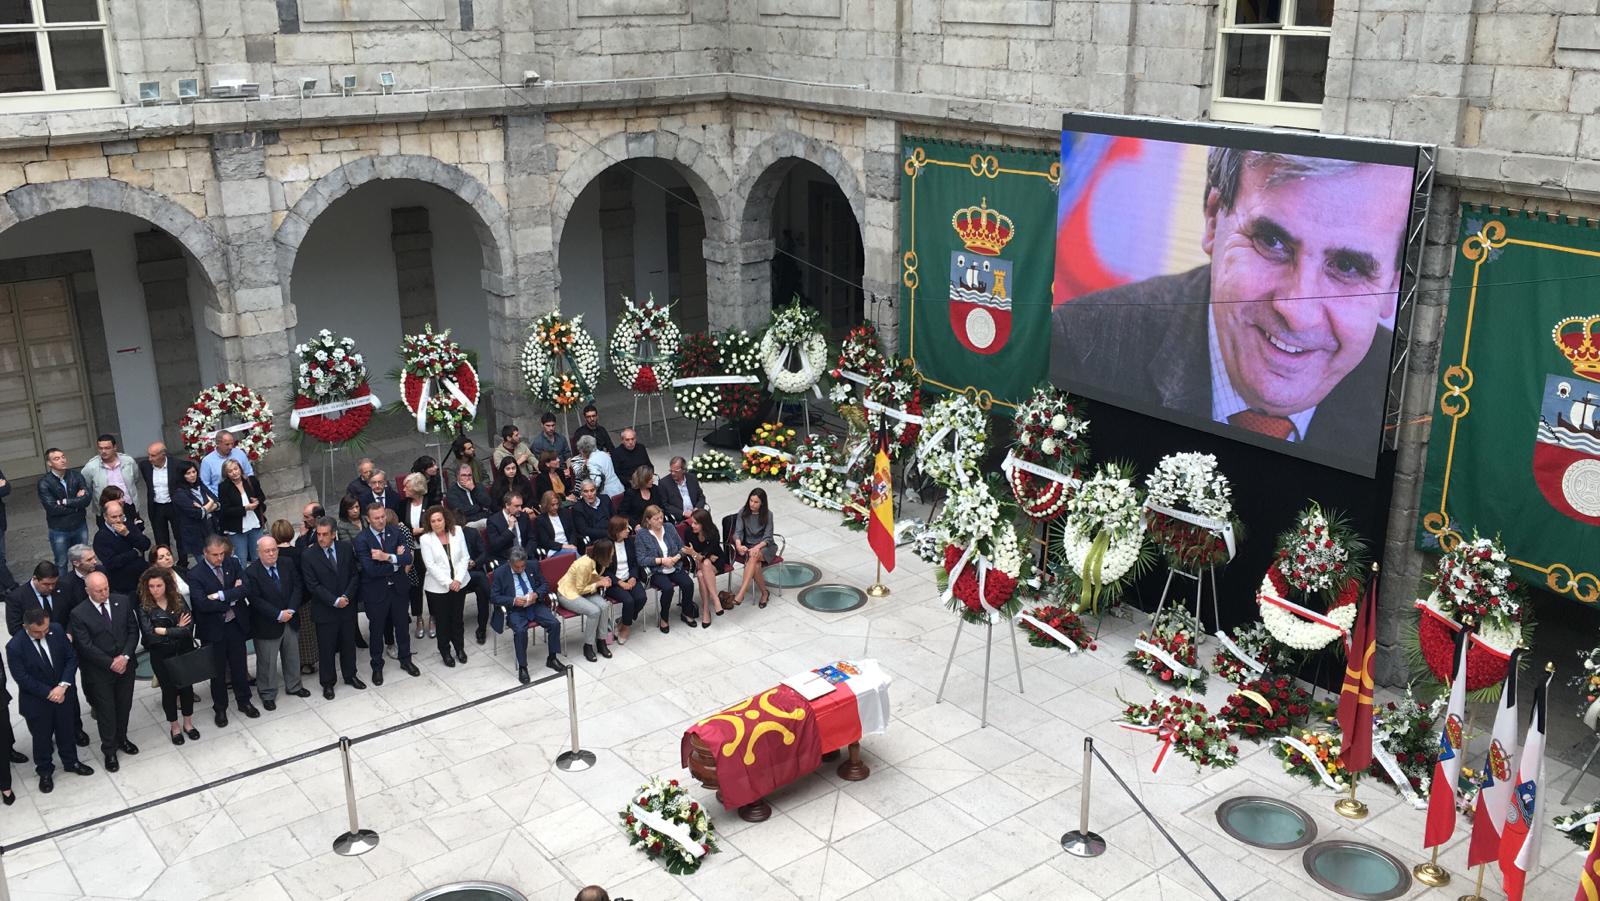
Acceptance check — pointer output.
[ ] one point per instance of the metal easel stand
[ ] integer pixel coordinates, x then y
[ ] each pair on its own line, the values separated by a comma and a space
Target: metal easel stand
649, 417
786, 401
1582, 771
1199, 576
988, 652
333, 452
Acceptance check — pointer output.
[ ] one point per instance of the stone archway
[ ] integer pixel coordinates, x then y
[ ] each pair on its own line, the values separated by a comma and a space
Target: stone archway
708, 181
492, 224
763, 175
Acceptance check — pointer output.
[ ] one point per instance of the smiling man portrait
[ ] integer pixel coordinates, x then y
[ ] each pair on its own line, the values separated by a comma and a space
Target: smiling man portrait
1286, 332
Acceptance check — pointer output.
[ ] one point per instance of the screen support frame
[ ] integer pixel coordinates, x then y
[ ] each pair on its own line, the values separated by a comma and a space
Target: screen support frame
1406, 310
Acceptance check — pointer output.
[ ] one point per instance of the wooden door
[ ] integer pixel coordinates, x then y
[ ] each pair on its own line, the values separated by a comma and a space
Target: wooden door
44, 396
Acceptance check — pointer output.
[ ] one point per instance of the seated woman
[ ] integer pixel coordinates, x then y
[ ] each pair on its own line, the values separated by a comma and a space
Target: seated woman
582, 590
627, 578
550, 478
554, 532
660, 552
640, 494
704, 550
508, 479
752, 544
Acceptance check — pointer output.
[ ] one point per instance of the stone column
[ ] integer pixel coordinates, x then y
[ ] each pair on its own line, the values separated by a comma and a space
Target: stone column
880, 234
412, 240
256, 329
738, 283
530, 291
164, 272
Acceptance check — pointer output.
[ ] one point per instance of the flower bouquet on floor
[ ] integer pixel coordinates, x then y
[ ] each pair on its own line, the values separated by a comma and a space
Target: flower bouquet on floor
1169, 651
1266, 707
794, 352
954, 432
1052, 440
1251, 640
897, 387
738, 354
1473, 580
861, 356
560, 362
1184, 727
1313, 756
1405, 731
857, 502
644, 344
1061, 621
1309, 593
668, 825
1579, 825
770, 451
1191, 511
438, 384
984, 562
715, 466
697, 359
333, 401
814, 476
231, 406
1102, 550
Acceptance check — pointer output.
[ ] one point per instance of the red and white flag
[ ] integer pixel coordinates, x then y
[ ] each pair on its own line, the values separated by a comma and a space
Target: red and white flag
1519, 844
1452, 746
1489, 817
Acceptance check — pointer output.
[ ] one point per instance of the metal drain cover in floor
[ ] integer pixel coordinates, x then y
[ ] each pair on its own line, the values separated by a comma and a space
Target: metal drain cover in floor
471, 891
833, 598
1355, 870
1266, 823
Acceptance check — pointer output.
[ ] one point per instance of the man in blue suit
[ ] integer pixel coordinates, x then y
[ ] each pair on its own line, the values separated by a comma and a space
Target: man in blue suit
521, 591
592, 513
385, 589
44, 666
222, 622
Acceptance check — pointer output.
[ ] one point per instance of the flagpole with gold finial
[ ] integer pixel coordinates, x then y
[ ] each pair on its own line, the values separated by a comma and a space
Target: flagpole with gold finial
1477, 891
877, 589
1349, 807
1431, 873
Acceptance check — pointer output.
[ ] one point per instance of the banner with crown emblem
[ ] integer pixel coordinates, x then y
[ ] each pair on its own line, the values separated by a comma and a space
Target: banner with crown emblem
1515, 444
977, 225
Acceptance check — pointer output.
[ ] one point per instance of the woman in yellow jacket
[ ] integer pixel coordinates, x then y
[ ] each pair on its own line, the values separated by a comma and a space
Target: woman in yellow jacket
582, 590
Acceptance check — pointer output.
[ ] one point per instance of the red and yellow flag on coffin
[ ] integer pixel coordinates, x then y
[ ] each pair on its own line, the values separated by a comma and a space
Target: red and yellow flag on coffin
880, 522
1589, 882
1355, 697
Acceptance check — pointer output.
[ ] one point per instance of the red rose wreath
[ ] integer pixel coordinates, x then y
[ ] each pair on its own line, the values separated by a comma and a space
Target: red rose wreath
331, 383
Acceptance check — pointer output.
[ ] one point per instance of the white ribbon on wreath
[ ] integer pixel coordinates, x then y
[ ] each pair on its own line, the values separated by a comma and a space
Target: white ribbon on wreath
716, 380
1222, 528
781, 365
1580, 822
891, 412
1396, 775
1170, 662
241, 427
785, 456
856, 377
678, 832
1250, 663
1048, 630
1591, 715
937, 441
338, 406
450, 386
1012, 461
830, 503
1311, 757
981, 562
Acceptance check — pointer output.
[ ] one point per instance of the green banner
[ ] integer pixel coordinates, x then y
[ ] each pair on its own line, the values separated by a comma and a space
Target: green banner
977, 225
1515, 445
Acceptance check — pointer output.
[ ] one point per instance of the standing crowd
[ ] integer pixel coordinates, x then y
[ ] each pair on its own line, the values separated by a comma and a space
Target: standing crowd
543, 531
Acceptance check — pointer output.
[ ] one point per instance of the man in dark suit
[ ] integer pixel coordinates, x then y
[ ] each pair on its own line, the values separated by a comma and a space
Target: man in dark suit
274, 586
162, 477
468, 500
358, 486
629, 456
382, 554
508, 529
222, 622
81, 562
478, 564
105, 636
120, 546
521, 592
330, 572
45, 668
1282, 333
592, 513
43, 592
379, 493
680, 492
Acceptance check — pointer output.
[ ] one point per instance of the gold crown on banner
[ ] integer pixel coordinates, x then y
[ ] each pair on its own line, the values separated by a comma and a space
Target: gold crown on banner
1575, 337
983, 230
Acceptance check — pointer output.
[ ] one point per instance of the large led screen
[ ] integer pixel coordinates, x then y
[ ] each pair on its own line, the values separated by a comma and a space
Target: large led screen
1239, 281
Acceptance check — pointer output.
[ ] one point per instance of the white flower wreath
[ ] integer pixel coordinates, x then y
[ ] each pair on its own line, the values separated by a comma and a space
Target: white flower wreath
240, 409
948, 462
1106, 502
560, 361
1292, 630
644, 325
1191, 482
794, 333
814, 476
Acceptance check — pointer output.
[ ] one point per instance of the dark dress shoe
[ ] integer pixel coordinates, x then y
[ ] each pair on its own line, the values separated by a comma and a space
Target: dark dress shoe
8, 798
356, 683
448, 660
193, 733
361, 643
47, 784
221, 719
250, 710
554, 664
83, 739
588, 653
177, 738
80, 768
269, 703
111, 763
687, 621
18, 756
128, 747
411, 668
522, 675
327, 692
600, 646
482, 636
461, 656
377, 677
301, 692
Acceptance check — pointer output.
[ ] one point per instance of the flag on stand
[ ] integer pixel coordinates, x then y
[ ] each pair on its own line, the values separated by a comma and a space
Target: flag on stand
1519, 844
1452, 744
1589, 882
1489, 817
1355, 698
880, 520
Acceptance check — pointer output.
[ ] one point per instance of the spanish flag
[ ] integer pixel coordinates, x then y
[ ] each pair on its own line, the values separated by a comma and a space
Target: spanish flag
880, 521
1589, 882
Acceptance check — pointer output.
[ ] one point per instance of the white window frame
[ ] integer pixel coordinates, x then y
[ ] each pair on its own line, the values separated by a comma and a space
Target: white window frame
1270, 111
50, 98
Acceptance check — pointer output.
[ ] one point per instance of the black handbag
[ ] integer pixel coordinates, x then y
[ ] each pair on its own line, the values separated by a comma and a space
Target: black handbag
192, 667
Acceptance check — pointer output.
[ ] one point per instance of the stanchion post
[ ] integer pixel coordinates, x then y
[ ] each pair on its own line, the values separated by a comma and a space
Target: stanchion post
357, 841
577, 759
1080, 842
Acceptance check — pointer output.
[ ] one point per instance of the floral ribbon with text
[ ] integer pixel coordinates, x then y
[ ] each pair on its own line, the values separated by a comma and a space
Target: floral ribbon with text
338, 406
1221, 527
678, 832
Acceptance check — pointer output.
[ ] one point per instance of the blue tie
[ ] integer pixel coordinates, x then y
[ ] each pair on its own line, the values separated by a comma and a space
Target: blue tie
522, 584
274, 572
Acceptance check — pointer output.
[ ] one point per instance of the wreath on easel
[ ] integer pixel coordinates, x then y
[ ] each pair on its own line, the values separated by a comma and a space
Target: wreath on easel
644, 346
560, 362
333, 401
438, 383
1308, 595
1051, 445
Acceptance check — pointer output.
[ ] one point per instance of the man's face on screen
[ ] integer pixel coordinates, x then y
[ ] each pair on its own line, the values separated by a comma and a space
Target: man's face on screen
1301, 272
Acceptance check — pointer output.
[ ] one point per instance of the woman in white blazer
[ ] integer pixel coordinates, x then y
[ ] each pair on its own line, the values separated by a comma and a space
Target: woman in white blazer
444, 578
